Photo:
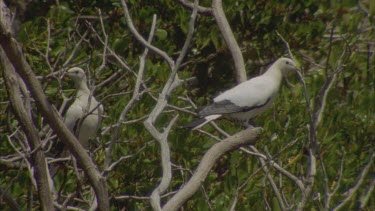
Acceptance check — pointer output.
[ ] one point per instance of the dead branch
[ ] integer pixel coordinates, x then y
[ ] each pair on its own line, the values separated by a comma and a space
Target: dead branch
230, 40
38, 160
245, 137
52, 117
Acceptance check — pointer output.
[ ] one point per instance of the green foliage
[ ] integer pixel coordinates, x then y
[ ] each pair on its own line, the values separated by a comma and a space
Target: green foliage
347, 128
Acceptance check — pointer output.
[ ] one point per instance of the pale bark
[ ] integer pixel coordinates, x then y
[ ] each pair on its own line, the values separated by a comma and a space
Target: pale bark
52, 117
230, 40
245, 137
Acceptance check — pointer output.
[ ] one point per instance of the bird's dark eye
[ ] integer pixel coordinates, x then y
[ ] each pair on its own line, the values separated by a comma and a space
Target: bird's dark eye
286, 62
76, 72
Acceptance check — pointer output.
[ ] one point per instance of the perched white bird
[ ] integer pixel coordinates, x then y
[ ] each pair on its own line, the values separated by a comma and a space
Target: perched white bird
83, 115
248, 99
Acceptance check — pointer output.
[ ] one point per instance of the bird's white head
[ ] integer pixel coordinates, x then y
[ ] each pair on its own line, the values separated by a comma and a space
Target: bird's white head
77, 75
286, 65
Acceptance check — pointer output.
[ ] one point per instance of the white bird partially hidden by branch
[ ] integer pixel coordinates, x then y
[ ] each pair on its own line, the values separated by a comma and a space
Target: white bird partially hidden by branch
83, 118
248, 99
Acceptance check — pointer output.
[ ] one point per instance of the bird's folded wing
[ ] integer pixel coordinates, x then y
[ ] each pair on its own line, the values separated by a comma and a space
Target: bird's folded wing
244, 97
227, 107
72, 116
222, 107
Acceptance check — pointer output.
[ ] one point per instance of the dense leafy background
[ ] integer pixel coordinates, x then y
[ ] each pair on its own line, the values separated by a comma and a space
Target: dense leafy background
347, 128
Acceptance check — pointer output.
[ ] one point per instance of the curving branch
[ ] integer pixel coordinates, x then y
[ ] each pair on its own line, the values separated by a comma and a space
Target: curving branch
172, 83
330, 79
201, 10
245, 137
162, 137
142, 40
136, 96
229, 38
367, 195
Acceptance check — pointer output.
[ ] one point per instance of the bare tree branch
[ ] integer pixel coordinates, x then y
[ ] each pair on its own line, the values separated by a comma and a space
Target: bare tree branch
22, 110
53, 118
102, 66
311, 150
365, 198
201, 10
270, 180
328, 195
287, 46
38, 160
245, 137
142, 40
351, 192
229, 38
162, 137
136, 96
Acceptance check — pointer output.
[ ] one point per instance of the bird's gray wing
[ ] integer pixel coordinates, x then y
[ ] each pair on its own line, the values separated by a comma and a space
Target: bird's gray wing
221, 107
227, 107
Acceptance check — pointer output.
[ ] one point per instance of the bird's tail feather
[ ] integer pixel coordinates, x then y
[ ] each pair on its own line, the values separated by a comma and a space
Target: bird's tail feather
202, 121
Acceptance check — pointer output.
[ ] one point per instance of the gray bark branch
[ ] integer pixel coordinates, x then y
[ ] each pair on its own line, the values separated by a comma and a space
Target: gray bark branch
230, 40
53, 118
245, 137
38, 160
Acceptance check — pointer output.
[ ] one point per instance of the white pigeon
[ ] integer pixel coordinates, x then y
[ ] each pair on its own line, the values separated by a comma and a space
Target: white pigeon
248, 99
81, 108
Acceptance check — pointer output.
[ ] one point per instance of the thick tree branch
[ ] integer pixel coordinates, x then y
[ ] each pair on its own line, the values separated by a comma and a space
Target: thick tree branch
245, 137
162, 137
229, 38
53, 118
22, 110
38, 160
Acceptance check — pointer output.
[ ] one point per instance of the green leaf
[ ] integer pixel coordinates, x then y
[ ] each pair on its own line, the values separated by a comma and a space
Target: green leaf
161, 34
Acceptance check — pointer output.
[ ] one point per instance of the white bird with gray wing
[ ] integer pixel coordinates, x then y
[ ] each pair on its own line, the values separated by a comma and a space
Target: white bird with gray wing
85, 114
249, 98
